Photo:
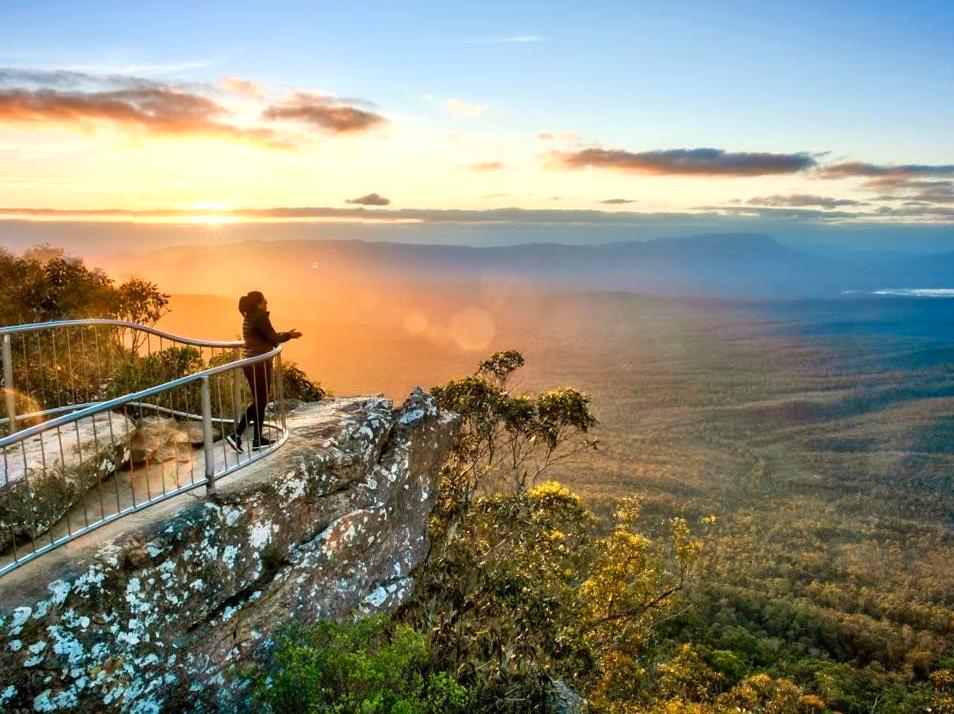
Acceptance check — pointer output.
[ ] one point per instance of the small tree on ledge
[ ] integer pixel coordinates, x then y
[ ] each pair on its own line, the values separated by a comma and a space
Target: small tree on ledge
507, 441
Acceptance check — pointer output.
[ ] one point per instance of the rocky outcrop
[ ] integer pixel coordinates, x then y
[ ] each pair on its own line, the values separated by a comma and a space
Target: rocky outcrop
157, 439
45, 475
167, 613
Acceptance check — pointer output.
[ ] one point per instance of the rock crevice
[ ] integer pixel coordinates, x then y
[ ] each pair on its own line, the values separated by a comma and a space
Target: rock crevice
165, 613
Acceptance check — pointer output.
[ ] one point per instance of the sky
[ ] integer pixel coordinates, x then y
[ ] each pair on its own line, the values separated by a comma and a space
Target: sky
808, 113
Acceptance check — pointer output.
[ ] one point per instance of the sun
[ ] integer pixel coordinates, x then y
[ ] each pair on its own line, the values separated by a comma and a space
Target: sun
209, 220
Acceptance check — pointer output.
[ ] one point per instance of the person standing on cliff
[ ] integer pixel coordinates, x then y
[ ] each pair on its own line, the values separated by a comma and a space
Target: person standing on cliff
260, 337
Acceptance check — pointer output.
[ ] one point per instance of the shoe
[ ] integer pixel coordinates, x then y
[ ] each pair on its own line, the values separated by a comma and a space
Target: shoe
262, 443
235, 441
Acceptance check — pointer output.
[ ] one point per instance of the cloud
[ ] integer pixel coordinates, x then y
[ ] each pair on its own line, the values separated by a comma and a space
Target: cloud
799, 200
617, 201
370, 199
464, 109
785, 214
893, 171
487, 166
931, 183
699, 216
152, 108
324, 112
242, 87
916, 190
685, 162
67, 97
82, 99
26, 77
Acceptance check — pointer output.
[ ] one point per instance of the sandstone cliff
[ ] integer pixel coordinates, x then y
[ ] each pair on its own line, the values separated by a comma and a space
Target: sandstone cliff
162, 610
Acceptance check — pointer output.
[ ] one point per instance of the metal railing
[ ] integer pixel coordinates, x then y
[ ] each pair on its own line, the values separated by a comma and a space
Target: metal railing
106, 418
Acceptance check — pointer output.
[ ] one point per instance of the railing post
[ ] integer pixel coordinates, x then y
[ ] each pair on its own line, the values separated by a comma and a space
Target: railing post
280, 391
207, 435
237, 406
8, 393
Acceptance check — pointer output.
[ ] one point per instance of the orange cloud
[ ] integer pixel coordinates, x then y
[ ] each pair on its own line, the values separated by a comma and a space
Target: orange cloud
152, 108
324, 112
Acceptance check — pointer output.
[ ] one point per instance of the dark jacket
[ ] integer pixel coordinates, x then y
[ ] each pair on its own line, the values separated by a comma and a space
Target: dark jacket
259, 335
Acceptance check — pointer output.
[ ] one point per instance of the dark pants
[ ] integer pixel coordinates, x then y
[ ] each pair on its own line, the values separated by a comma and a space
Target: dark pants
259, 376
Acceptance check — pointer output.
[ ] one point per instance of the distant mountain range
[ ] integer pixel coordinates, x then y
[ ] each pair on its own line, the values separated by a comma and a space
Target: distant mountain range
737, 265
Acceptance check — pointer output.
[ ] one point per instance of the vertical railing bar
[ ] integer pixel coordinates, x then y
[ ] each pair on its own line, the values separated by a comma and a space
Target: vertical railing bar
221, 412
26, 481
160, 464
99, 375
141, 425
99, 482
282, 411
182, 391
188, 410
175, 431
236, 397
69, 365
41, 377
79, 454
207, 435
59, 438
46, 474
129, 445
257, 427
112, 450
7, 487
9, 395
145, 454
159, 418
57, 370
27, 378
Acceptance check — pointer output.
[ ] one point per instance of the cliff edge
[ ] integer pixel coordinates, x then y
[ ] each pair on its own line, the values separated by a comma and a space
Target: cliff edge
163, 610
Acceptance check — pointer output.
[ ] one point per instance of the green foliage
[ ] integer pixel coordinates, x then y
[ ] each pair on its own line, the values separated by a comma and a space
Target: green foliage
501, 365
137, 373
52, 368
523, 583
360, 667
299, 386
507, 441
45, 284
524, 588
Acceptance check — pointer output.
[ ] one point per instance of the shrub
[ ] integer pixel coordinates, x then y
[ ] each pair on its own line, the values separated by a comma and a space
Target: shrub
299, 386
364, 666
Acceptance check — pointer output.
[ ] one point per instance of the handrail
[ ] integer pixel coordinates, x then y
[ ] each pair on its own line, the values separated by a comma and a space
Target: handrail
29, 522
34, 326
98, 407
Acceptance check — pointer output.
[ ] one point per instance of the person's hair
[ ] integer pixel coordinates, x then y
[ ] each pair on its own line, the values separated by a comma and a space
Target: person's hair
250, 301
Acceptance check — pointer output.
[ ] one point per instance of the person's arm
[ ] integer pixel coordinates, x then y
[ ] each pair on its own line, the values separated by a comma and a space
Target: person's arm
263, 325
